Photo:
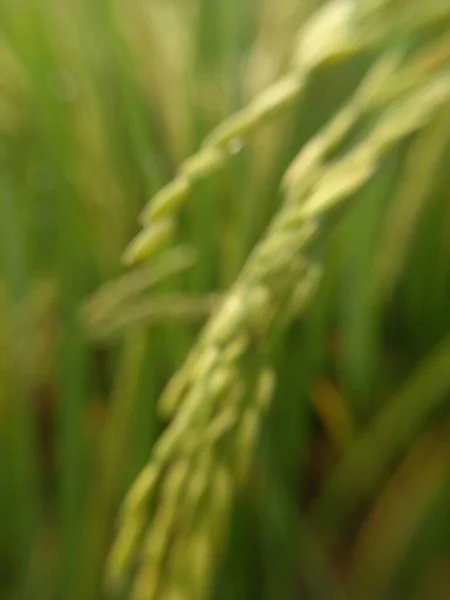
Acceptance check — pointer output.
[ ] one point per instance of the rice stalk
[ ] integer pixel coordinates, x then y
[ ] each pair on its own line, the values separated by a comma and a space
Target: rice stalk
317, 192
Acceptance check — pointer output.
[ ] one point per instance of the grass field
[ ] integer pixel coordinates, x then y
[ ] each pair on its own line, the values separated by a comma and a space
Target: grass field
240, 390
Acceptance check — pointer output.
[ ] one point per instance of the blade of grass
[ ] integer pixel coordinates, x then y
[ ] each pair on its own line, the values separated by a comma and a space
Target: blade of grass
403, 215
367, 462
23, 489
389, 530
109, 472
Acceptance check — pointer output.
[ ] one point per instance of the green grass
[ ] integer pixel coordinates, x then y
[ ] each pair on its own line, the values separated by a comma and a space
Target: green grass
301, 450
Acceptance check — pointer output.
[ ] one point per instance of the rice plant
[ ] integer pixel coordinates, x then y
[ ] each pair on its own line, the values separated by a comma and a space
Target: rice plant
224, 269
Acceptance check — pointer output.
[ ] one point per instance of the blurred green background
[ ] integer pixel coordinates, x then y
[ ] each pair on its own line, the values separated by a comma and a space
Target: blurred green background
100, 102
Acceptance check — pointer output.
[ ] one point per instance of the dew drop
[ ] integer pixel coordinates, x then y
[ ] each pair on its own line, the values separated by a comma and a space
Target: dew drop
235, 145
